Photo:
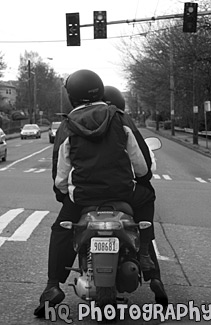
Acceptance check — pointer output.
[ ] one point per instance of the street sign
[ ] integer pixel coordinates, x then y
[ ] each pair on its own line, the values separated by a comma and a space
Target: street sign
207, 107
195, 109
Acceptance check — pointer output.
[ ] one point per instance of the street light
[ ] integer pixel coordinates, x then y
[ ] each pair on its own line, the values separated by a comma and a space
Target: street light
61, 95
29, 84
35, 97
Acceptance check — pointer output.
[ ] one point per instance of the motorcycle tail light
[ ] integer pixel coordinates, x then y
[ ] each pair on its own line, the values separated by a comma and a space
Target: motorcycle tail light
66, 224
104, 225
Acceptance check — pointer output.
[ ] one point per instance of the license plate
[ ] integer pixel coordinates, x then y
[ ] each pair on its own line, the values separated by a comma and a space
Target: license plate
104, 245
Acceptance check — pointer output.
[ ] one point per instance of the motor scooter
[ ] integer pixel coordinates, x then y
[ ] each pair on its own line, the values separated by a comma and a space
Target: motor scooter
107, 241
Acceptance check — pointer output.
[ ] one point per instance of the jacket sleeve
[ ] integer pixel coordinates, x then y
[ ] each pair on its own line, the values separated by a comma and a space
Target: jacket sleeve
63, 167
135, 154
61, 134
127, 121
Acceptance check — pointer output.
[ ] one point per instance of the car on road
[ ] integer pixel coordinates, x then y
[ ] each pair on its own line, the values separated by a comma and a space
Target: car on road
30, 131
2, 134
52, 131
3, 149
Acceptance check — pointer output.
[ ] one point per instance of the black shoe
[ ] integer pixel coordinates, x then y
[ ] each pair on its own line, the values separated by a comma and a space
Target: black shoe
160, 295
146, 264
54, 295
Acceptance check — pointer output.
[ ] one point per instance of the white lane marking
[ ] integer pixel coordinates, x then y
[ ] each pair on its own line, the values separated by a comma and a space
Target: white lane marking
25, 230
40, 170
2, 240
7, 217
24, 158
29, 170
199, 179
160, 257
156, 176
167, 177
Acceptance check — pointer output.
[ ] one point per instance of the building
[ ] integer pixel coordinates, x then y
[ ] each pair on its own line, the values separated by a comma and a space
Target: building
8, 95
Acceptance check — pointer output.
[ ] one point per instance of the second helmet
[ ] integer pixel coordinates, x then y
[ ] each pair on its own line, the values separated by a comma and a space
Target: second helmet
113, 96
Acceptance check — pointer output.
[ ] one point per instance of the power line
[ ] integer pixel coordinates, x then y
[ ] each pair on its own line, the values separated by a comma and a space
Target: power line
62, 41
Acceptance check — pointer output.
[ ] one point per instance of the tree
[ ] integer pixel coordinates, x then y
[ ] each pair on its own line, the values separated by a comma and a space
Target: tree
166, 50
45, 87
2, 65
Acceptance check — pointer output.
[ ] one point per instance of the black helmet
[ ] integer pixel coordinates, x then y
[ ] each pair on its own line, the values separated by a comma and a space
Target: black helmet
84, 86
113, 96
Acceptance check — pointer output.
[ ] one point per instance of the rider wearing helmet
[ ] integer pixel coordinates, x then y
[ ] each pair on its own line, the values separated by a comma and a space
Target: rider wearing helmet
113, 96
96, 162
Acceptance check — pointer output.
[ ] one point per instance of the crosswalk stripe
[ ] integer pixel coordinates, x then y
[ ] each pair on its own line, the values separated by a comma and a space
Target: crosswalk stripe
29, 170
40, 170
156, 176
7, 217
167, 177
199, 179
25, 230
2, 240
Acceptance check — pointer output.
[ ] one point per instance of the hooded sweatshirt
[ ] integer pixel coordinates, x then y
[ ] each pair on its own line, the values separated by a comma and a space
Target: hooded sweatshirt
100, 158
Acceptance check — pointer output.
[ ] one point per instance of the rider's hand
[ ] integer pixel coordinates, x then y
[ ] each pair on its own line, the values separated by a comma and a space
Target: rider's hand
60, 197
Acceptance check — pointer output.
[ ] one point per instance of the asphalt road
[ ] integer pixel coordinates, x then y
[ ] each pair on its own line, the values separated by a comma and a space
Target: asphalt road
28, 209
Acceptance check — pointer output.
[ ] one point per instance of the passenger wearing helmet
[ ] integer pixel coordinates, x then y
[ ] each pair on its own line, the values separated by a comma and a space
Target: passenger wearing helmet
112, 96
97, 161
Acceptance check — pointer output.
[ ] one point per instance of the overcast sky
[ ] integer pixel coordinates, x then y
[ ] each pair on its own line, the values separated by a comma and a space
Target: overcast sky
43, 24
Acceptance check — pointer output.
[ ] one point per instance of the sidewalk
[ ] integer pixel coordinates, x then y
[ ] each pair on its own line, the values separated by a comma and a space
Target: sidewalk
186, 139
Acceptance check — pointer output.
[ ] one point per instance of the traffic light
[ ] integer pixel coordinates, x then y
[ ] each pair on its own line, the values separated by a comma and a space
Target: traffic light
100, 24
190, 17
73, 29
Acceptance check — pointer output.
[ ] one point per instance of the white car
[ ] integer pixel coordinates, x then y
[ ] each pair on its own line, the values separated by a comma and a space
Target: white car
3, 149
52, 131
2, 134
30, 131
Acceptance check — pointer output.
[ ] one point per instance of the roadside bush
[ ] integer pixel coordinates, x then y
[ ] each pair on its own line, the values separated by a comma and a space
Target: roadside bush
167, 125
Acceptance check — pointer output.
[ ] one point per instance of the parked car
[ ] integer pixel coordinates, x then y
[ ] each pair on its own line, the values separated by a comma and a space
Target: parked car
30, 131
3, 149
2, 134
52, 131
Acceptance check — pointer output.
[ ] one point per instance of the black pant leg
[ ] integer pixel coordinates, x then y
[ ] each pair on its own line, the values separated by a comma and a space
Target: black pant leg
154, 273
143, 206
61, 252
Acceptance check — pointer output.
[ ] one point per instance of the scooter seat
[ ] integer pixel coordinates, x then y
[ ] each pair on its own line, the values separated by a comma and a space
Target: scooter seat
110, 206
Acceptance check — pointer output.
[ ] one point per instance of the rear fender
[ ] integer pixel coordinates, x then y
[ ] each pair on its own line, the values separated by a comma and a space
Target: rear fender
105, 269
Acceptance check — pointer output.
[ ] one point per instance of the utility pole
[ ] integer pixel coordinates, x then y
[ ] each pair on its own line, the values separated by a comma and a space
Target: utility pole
172, 88
195, 110
29, 90
61, 96
35, 96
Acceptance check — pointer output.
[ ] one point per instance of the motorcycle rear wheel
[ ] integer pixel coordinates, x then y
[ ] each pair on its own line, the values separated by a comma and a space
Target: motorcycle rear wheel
105, 296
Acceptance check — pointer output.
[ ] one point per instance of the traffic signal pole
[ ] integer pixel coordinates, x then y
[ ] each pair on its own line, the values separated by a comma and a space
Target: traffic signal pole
100, 24
130, 21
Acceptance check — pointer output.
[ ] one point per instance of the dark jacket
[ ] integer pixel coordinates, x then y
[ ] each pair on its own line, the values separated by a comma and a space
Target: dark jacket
100, 158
